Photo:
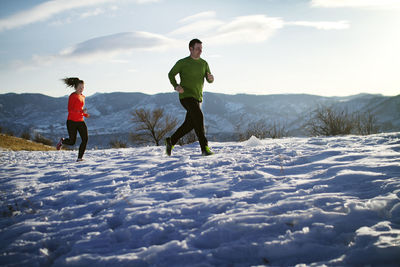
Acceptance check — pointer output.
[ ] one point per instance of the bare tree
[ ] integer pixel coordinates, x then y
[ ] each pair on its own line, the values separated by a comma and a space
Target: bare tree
26, 135
151, 126
277, 131
328, 121
257, 128
188, 138
261, 130
366, 123
117, 143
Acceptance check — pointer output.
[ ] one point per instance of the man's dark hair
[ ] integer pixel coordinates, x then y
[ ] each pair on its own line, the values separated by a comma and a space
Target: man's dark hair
193, 42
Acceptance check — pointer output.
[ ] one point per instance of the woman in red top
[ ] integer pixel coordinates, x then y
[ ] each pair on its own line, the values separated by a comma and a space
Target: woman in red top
76, 112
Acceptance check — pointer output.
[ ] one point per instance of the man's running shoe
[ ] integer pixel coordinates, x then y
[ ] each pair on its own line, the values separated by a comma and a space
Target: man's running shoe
59, 144
207, 151
79, 159
168, 146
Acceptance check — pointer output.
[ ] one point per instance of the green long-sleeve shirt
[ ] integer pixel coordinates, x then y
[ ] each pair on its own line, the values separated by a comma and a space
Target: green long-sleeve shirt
192, 73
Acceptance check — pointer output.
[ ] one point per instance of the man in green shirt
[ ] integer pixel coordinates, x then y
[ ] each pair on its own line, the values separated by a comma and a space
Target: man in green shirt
192, 70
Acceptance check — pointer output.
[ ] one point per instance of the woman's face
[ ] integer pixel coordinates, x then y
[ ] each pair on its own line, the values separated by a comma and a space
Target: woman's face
80, 88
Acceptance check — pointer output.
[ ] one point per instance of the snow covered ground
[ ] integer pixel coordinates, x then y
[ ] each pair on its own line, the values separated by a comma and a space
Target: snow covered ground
313, 201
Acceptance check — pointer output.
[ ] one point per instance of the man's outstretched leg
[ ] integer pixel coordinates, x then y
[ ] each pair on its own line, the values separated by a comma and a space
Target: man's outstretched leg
197, 119
194, 119
179, 133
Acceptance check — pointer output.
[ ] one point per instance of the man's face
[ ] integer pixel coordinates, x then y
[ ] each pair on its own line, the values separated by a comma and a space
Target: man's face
195, 52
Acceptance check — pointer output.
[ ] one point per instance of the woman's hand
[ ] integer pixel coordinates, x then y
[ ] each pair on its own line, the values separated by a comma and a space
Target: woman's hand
179, 89
85, 113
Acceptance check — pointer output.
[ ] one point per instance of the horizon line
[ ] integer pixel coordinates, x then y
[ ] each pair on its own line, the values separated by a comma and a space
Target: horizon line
249, 94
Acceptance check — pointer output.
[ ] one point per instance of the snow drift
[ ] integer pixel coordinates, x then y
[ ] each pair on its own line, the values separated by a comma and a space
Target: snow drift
314, 201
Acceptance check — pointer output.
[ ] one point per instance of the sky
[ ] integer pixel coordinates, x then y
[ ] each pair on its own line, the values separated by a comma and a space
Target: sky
320, 47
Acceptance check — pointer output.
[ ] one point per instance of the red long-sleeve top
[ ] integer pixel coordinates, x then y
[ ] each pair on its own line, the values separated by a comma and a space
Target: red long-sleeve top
75, 107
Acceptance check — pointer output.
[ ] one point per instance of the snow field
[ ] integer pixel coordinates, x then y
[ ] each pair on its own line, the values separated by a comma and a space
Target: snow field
313, 201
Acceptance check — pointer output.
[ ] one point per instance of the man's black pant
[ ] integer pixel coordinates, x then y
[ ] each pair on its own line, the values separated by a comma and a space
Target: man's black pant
194, 120
73, 127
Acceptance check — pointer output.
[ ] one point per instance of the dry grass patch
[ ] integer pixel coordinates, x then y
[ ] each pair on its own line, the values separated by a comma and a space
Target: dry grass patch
15, 143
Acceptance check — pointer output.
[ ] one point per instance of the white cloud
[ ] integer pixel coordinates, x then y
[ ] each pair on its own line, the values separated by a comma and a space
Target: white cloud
111, 45
198, 27
322, 25
120, 61
202, 15
61, 22
20, 65
96, 12
375, 4
67, 20
44, 11
146, 1
48, 9
246, 29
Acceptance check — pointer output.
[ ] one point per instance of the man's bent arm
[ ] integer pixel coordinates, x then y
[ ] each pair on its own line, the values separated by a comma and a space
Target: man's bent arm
208, 72
171, 75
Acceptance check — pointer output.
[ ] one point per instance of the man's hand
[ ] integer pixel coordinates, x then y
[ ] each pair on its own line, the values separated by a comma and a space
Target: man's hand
210, 77
179, 89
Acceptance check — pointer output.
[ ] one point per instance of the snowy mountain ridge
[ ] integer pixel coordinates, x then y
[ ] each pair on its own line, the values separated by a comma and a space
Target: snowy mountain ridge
111, 112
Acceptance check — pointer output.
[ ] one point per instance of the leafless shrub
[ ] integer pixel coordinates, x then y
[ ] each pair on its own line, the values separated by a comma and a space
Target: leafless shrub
366, 123
41, 139
328, 121
261, 130
116, 143
6, 131
277, 131
151, 126
26, 135
188, 138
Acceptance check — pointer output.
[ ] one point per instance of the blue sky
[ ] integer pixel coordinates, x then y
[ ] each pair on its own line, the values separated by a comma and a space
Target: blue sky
322, 47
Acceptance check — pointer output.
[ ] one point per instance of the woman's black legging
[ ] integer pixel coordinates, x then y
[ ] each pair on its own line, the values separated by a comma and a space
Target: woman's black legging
73, 127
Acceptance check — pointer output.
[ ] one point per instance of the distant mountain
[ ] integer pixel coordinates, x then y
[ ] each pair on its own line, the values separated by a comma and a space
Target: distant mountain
111, 112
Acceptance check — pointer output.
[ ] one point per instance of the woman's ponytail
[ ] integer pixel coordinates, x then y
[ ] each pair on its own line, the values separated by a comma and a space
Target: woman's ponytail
72, 82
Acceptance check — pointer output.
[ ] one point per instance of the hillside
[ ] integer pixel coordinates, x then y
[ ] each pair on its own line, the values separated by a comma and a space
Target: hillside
8, 142
111, 113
